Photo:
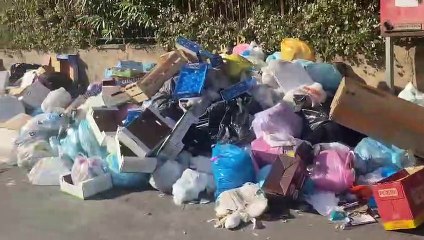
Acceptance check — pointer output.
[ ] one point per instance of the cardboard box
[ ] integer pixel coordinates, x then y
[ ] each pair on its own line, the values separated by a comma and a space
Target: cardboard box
263, 154
112, 94
379, 115
137, 141
34, 95
103, 122
87, 188
286, 179
150, 84
68, 64
400, 199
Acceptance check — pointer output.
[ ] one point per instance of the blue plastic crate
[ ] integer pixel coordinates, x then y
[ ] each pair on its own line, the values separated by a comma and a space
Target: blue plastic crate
192, 80
238, 89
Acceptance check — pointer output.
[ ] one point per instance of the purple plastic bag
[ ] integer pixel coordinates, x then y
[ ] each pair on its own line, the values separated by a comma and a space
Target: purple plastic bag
279, 125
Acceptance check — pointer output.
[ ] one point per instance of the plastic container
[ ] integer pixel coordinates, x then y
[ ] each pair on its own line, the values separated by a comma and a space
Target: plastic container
191, 81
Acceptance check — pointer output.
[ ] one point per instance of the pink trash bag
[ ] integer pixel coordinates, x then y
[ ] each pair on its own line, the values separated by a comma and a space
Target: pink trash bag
279, 125
333, 170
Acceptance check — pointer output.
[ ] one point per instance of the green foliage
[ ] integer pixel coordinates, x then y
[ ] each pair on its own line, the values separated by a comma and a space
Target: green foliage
333, 27
44, 25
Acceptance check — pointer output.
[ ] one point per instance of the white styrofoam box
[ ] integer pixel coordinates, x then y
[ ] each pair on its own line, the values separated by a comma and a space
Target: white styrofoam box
87, 188
132, 155
10, 107
34, 95
4, 81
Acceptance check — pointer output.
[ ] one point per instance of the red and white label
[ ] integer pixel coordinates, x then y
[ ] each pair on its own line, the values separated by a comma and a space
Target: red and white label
389, 192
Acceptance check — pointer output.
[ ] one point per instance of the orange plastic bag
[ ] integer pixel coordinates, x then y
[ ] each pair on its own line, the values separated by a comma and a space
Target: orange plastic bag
293, 48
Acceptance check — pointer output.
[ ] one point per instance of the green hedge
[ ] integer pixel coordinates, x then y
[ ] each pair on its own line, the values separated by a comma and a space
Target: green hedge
332, 27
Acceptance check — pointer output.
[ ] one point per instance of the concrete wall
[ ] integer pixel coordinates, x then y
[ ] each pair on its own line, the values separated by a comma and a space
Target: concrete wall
408, 62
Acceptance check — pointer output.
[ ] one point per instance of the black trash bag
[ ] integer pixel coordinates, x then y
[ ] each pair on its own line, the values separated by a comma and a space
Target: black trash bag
198, 142
318, 127
56, 80
230, 121
18, 70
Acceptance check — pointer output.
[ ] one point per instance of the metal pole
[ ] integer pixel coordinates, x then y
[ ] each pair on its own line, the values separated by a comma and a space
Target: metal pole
390, 78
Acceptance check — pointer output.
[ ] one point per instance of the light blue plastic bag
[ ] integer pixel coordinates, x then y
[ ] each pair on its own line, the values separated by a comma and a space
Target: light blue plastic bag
89, 142
231, 167
324, 73
371, 155
125, 180
70, 145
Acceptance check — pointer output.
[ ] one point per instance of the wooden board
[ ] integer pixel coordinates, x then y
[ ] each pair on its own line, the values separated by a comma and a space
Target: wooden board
150, 84
379, 115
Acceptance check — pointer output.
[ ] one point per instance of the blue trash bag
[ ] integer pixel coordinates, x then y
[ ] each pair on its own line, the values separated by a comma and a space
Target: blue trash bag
324, 73
231, 167
125, 180
371, 155
89, 142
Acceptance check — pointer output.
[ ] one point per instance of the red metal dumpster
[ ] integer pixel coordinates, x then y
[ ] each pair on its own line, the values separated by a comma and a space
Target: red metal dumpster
402, 17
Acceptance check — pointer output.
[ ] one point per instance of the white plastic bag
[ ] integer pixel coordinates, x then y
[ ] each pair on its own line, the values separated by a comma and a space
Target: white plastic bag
288, 76
323, 202
56, 100
7, 145
411, 94
86, 168
28, 78
47, 171
201, 164
30, 153
165, 176
188, 187
314, 91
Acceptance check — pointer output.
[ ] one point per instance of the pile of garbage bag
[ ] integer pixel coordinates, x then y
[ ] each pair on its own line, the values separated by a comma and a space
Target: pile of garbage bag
242, 129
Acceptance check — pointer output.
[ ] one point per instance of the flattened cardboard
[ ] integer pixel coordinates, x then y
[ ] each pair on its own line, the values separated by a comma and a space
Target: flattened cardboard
87, 188
379, 115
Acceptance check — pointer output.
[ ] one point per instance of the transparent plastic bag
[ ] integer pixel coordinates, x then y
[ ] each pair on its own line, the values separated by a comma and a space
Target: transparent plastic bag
86, 168
48, 124
232, 167
70, 146
30, 153
47, 171
88, 141
10, 106
125, 180
323, 202
279, 121
371, 154
288, 75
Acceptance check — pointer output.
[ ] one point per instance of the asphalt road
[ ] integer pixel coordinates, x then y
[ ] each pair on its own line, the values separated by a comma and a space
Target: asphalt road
38, 213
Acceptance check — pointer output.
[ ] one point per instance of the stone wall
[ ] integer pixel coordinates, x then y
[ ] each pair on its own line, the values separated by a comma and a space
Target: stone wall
408, 62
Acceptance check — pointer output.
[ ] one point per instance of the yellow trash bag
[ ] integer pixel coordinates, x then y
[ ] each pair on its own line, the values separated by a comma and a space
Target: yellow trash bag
236, 64
293, 48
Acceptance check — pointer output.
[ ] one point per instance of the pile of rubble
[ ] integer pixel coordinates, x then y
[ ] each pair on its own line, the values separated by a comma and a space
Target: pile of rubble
248, 132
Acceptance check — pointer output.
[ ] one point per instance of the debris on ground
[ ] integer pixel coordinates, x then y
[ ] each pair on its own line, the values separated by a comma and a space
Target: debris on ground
251, 133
